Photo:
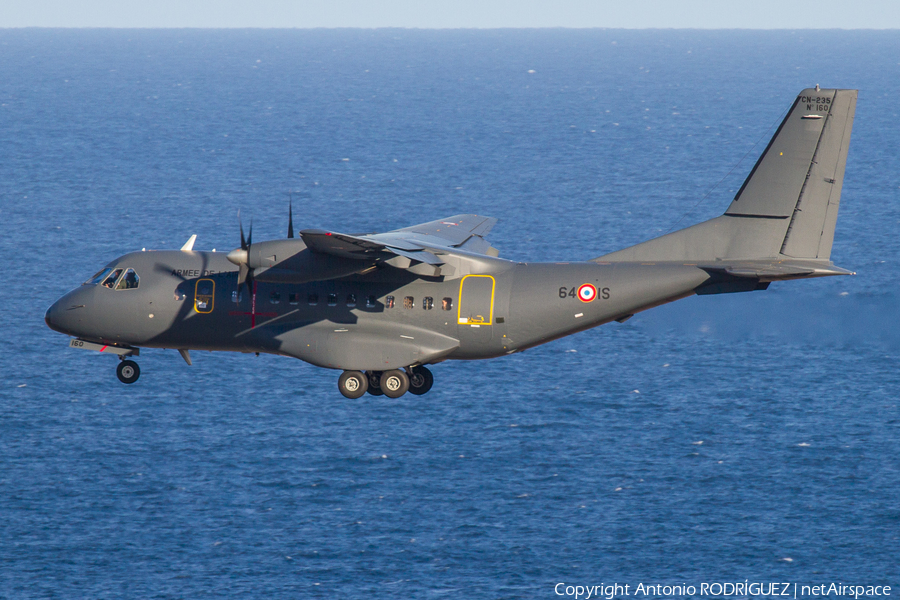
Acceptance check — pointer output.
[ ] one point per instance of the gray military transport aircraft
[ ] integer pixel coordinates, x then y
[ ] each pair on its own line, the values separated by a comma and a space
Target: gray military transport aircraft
381, 307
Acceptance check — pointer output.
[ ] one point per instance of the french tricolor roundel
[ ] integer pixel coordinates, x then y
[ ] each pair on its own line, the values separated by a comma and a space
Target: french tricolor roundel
587, 292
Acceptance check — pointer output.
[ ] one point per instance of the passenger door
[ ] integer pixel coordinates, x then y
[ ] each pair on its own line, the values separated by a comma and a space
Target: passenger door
475, 310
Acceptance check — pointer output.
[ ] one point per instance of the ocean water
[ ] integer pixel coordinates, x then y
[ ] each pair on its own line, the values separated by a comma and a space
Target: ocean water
726, 438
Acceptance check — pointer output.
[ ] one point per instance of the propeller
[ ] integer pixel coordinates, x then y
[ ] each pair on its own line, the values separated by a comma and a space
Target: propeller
241, 256
290, 216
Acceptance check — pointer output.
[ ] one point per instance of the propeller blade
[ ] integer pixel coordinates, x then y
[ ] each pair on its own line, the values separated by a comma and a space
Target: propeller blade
241, 225
242, 256
249, 282
290, 218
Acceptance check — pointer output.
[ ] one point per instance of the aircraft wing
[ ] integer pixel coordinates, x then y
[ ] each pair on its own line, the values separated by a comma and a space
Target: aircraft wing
453, 230
418, 248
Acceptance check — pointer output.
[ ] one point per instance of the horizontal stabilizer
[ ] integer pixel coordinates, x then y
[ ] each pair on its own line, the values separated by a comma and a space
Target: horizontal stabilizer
777, 270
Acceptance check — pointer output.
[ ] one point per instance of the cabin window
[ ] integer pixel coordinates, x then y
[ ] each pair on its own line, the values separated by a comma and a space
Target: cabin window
409, 302
293, 299
351, 299
313, 299
370, 301
236, 296
389, 302
129, 280
275, 297
332, 299
98, 277
427, 302
110, 280
447, 304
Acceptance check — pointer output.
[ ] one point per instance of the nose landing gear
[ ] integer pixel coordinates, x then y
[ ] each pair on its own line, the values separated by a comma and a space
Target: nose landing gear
128, 371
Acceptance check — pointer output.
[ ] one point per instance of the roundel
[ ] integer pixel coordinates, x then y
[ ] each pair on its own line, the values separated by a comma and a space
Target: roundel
587, 292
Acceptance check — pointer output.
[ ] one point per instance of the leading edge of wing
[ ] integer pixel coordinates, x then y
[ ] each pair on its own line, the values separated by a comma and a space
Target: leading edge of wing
415, 243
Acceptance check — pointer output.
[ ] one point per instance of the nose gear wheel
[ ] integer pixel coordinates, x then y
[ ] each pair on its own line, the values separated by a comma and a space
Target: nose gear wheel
128, 371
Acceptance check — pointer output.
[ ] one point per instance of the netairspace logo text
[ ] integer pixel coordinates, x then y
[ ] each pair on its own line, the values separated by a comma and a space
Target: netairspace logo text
741, 588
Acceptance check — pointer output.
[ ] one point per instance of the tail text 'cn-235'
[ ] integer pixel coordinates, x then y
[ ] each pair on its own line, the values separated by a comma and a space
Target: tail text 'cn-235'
381, 307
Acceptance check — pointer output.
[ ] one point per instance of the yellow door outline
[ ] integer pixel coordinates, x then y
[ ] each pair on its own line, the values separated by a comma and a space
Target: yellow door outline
203, 303
479, 319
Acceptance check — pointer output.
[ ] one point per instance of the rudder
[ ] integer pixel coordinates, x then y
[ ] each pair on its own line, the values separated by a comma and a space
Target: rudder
800, 174
787, 207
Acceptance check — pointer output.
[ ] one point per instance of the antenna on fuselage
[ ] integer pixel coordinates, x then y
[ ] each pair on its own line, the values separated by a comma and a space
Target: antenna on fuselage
189, 245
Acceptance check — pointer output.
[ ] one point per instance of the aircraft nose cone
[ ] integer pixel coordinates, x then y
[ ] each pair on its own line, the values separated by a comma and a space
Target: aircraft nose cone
238, 256
66, 314
52, 318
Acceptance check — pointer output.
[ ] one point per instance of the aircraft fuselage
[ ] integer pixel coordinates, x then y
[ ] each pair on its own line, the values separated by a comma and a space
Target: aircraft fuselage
381, 306
383, 319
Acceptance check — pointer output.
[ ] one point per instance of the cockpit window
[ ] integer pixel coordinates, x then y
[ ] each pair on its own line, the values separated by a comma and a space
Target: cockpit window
98, 277
110, 280
129, 280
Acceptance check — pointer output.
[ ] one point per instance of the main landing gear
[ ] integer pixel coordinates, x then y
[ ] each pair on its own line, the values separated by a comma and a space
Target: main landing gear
393, 384
128, 371
420, 380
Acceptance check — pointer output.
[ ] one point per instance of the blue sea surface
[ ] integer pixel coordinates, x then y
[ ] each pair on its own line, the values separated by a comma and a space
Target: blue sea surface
720, 438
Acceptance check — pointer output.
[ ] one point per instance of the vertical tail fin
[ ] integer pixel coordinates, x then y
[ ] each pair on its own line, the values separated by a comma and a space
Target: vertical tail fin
787, 207
801, 173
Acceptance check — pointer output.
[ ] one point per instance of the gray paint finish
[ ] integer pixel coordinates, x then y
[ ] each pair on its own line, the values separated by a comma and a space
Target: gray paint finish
778, 176
811, 231
788, 205
437, 291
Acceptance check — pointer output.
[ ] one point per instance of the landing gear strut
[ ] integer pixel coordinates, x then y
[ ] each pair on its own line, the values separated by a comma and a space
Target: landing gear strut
128, 371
